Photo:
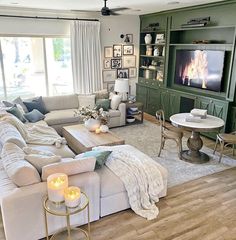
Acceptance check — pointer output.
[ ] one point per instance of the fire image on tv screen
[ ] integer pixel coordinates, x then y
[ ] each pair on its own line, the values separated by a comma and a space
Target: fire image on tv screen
200, 68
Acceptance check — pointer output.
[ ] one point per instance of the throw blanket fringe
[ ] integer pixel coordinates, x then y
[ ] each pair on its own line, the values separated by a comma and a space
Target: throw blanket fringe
35, 134
140, 175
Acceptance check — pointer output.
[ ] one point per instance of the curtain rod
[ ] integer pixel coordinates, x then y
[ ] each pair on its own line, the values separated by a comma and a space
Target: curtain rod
50, 18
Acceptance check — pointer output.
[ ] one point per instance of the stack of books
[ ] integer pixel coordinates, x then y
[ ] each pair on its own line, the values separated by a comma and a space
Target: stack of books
132, 111
196, 22
196, 115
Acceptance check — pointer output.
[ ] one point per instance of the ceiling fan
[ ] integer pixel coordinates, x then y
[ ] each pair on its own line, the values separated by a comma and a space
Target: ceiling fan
106, 11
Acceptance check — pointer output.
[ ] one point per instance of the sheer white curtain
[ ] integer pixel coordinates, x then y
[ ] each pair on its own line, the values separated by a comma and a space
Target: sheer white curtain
86, 56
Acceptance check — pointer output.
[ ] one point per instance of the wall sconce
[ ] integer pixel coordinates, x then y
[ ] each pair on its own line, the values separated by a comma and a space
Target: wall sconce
126, 37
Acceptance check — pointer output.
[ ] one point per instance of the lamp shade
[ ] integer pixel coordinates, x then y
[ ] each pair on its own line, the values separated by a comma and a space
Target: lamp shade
121, 85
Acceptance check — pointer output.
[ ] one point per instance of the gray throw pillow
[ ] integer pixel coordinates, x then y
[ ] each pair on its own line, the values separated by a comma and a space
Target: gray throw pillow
34, 116
36, 103
16, 101
17, 113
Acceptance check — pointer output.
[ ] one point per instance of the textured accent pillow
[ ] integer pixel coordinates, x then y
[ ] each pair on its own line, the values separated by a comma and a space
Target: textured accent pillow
39, 161
103, 103
17, 113
21, 172
115, 101
36, 103
69, 167
86, 101
34, 116
10, 134
19, 101
101, 94
101, 157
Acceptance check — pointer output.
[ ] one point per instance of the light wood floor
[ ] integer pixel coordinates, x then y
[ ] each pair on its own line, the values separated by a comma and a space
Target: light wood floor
203, 209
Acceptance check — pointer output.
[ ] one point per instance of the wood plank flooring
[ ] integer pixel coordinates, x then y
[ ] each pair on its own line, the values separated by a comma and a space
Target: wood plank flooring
203, 209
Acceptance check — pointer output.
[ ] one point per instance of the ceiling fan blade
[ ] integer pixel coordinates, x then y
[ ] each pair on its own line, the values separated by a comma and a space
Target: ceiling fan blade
84, 11
114, 13
119, 9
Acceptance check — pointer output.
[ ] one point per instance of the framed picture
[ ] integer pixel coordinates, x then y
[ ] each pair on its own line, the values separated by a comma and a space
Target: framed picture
129, 38
107, 63
110, 87
123, 73
117, 50
132, 72
108, 52
116, 63
128, 49
160, 38
109, 75
129, 61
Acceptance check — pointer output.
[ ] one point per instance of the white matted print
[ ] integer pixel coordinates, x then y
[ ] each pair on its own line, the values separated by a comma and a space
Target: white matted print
128, 49
117, 50
132, 72
108, 52
107, 63
110, 87
129, 61
109, 75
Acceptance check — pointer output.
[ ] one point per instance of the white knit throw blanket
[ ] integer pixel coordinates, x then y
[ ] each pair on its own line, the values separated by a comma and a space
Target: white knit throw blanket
35, 134
140, 175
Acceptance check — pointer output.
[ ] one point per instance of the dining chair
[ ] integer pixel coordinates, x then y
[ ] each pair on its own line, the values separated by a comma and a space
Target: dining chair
225, 139
167, 132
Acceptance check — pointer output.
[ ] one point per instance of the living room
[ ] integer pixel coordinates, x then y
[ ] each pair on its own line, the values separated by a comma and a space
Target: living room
196, 184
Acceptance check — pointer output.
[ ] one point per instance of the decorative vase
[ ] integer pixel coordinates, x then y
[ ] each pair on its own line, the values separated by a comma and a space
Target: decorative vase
92, 124
104, 128
148, 38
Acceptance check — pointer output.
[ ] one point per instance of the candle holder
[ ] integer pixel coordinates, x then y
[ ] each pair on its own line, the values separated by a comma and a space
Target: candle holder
72, 197
56, 184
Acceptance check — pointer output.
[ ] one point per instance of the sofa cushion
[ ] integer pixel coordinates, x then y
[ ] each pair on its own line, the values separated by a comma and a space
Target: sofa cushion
17, 113
101, 94
86, 101
16, 101
9, 133
36, 103
61, 102
40, 160
61, 117
69, 166
34, 116
64, 151
114, 113
110, 183
19, 170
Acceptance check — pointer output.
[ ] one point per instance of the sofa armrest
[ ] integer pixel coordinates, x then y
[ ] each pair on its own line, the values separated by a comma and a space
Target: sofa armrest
23, 208
122, 109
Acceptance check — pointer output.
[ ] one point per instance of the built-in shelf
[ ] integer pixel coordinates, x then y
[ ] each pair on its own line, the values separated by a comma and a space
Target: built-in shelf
151, 69
159, 57
228, 45
201, 28
154, 31
153, 44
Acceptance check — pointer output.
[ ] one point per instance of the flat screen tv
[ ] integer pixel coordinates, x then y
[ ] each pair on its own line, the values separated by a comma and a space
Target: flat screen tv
200, 68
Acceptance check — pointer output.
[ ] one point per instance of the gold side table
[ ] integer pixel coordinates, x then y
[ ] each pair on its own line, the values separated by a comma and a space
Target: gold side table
63, 211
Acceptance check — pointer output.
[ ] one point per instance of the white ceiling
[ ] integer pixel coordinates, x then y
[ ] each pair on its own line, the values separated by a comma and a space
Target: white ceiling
138, 7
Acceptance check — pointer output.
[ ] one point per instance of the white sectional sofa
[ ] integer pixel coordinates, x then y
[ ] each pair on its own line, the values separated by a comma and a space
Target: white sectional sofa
21, 207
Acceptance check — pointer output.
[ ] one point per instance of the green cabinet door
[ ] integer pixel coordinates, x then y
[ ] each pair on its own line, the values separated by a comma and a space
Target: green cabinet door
164, 102
174, 103
153, 101
141, 95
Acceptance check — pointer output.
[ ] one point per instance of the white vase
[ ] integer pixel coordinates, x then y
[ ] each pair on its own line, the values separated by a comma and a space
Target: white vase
148, 38
104, 128
92, 124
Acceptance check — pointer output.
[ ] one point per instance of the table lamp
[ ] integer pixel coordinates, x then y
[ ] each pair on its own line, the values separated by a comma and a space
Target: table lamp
122, 87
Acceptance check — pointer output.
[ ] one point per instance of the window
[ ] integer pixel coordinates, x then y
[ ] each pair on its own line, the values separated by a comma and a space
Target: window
25, 72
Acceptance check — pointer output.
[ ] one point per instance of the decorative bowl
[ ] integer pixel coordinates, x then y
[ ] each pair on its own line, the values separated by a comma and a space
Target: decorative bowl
130, 119
133, 109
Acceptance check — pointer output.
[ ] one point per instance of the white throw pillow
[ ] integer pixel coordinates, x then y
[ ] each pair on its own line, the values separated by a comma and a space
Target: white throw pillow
115, 101
39, 161
21, 172
86, 101
69, 167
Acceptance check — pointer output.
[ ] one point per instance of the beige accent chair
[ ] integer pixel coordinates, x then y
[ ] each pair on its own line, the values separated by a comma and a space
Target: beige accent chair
167, 132
225, 139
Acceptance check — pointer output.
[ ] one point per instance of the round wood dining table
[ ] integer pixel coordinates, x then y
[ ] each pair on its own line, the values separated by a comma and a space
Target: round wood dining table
194, 143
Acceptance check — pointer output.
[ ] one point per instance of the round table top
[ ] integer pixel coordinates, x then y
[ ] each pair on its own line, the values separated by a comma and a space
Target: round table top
210, 123
60, 209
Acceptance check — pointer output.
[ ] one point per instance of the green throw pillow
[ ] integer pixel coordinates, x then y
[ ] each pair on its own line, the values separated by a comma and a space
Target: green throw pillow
101, 157
103, 103
17, 113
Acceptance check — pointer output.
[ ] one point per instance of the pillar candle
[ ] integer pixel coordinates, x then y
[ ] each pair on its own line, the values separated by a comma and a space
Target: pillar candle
72, 196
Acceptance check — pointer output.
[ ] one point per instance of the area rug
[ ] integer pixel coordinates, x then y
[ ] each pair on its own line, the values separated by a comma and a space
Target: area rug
146, 137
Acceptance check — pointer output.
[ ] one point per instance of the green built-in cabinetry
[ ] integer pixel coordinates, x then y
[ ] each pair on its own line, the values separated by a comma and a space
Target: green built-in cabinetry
173, 98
